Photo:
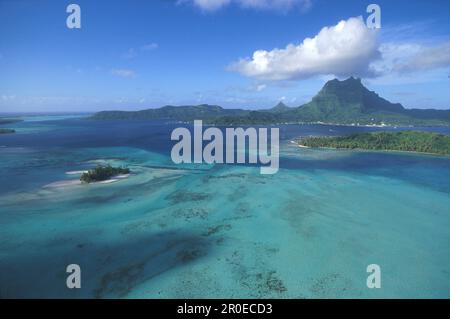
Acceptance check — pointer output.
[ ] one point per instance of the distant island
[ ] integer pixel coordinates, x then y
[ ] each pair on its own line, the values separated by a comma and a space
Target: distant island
9, 121
102, 173
346, 102
4, 121
7, 131
411, 141
170, 112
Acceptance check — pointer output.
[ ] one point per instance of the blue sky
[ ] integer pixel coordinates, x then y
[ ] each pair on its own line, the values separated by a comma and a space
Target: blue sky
139, 54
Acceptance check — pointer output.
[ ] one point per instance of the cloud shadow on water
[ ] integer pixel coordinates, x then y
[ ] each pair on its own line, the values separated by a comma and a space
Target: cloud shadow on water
108, 270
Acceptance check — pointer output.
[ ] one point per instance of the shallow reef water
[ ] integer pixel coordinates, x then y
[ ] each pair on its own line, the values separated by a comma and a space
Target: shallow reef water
217, 231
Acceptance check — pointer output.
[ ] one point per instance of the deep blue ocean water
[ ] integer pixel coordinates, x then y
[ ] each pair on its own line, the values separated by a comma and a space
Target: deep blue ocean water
199, 230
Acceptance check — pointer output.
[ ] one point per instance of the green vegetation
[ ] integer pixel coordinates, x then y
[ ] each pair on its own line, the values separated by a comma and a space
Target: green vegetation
338, 102
177, 113
343, 102
7, 130
279, 108
411, 141
102, 173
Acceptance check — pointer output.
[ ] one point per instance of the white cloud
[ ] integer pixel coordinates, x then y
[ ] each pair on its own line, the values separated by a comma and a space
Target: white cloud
150, 47
125, 73
282, 5
427, 58
411, 62
392, 53
260, 87
209, 5
347, 48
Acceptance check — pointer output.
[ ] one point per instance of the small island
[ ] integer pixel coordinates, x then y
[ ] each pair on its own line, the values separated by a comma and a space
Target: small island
103, 173
7, 131
410, 141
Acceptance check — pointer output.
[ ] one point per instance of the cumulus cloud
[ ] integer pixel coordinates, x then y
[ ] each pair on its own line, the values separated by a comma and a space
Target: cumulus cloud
348, 48
283, 5
125, 73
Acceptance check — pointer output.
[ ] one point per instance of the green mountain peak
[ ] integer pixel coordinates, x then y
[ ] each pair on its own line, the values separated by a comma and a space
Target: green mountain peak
339, 102
344, 100
280, 107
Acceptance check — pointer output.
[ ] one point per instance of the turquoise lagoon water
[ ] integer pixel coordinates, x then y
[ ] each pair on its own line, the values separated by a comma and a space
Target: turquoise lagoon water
197, 231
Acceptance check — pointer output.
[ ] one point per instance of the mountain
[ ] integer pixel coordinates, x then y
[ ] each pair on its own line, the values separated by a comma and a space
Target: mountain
345, 100
279, 108
349, 101
338, 102
169, 112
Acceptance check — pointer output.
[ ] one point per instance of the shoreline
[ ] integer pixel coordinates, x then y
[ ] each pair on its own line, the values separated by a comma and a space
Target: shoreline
372, 150
76, 182
76, 172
